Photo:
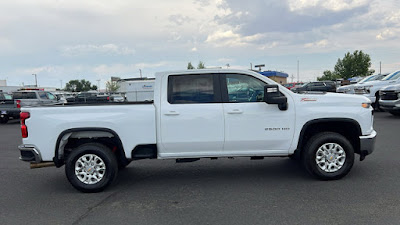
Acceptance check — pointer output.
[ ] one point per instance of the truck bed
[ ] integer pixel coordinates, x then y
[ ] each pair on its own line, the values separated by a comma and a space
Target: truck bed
133, 122
93, 104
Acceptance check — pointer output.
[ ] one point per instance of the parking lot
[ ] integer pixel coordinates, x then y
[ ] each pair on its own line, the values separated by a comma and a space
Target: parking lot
223, 191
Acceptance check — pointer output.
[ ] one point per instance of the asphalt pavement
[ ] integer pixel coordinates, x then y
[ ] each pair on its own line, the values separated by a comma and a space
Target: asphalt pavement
223, 191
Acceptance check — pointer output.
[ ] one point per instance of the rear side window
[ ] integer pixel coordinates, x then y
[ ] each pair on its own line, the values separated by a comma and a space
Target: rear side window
189, 89
24, 95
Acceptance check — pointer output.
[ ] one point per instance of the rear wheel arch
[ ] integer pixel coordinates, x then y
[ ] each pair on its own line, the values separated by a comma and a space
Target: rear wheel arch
84, 135
349, 128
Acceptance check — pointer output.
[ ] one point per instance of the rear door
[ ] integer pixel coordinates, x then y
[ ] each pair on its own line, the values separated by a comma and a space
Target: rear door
192, 120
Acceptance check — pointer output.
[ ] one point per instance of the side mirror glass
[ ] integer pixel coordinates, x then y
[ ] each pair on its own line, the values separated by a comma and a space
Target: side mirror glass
273, 96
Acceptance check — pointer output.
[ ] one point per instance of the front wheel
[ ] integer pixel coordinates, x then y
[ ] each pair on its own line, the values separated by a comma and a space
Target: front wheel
3, 120
377, 106
91, 167
328, 156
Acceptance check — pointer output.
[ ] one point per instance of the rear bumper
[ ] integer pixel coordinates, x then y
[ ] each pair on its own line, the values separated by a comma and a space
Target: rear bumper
367, 144
29, 153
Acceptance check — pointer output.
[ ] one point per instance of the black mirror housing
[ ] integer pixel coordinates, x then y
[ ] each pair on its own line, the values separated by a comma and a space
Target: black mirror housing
273, 96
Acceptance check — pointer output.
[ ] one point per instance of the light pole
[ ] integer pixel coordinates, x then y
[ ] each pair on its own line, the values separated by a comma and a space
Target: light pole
34, 74
98, 85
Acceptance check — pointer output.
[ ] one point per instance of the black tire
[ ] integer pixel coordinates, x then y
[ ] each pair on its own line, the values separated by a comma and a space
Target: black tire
104, 153
377, 106
395, 113
295, 156
309, 155
122, 166
4, 120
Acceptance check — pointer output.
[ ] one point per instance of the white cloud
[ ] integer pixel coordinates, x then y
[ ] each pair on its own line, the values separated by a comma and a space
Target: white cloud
111, 49
118, 69
269, 45
386, 34
317, 44
333, 5
231, 39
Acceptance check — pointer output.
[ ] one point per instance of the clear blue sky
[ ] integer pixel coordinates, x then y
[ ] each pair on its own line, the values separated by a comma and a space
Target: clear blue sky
60, 40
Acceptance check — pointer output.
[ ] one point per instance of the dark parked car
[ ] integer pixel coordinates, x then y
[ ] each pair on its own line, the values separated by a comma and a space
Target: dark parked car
8, 108
89, 97
320, 86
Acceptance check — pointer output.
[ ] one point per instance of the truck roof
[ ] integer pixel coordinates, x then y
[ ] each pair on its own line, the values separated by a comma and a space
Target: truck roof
201, 71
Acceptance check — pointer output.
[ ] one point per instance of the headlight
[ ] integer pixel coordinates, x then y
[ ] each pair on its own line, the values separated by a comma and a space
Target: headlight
366, 105
367, 88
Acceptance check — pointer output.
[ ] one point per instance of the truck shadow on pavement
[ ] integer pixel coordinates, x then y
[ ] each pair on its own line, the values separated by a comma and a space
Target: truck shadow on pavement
228, 171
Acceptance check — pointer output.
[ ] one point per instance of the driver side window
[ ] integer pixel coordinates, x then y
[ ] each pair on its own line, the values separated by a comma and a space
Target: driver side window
243, 88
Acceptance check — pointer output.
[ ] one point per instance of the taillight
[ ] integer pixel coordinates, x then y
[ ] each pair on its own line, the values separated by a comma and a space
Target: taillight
108, 98
24, 129
18, 104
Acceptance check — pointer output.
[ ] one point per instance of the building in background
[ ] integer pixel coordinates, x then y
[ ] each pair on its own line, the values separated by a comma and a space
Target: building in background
278, 77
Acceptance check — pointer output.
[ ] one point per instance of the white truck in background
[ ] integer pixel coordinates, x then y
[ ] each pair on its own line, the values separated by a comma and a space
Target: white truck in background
200, 114
371, 89
137, 89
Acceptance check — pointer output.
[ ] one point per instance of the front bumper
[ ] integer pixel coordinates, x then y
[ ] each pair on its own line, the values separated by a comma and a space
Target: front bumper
29, 153
10, 113
367, 144
372, 98
389, 105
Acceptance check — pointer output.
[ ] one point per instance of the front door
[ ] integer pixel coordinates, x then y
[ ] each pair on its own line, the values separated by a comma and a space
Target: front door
252, 126
192, 121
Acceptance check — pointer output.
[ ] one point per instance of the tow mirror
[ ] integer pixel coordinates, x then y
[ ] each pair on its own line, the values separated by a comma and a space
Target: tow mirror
273, 96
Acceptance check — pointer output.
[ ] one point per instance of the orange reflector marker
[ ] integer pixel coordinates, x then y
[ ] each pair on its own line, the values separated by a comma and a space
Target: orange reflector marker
366, 105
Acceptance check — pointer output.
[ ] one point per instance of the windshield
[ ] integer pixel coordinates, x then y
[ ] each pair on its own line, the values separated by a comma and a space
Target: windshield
288, 85
4, 96
302, 85
369, 78
393, 76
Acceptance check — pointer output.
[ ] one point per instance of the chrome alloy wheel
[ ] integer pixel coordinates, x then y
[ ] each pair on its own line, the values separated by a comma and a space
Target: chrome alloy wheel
330, 157
90, 169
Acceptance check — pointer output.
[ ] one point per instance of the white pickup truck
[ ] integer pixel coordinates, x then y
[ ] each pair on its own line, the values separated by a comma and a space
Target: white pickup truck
200, 114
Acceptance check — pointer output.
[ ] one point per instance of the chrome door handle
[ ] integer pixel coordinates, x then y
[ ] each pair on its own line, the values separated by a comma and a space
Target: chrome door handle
171, 113
235, 111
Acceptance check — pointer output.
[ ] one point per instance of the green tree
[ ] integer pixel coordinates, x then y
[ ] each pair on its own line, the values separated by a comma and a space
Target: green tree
353, 65
190, 66
328, 75
201, 65
112, 86
79, 86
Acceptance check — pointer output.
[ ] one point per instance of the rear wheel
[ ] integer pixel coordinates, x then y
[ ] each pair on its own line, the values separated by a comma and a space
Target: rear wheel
328, 156
395, 113
91, 167
3, 120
